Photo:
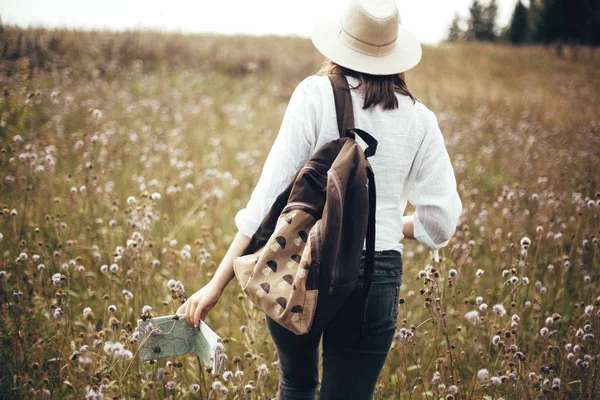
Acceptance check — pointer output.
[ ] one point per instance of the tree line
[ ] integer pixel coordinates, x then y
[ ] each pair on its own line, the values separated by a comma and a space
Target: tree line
538, 21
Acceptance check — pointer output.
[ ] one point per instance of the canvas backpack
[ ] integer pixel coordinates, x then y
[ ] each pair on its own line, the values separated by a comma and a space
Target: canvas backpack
303, 262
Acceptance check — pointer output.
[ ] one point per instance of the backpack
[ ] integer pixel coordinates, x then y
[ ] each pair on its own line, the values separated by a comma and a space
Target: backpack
303, 262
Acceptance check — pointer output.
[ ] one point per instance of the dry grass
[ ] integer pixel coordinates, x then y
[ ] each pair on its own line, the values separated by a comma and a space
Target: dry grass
92, 124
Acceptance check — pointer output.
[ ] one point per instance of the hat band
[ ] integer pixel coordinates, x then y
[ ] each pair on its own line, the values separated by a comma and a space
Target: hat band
364, 47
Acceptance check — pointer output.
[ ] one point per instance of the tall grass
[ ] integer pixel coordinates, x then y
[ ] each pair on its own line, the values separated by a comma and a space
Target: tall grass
124, 157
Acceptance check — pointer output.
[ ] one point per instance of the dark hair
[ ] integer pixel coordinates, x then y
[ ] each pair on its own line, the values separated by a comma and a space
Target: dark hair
377, 88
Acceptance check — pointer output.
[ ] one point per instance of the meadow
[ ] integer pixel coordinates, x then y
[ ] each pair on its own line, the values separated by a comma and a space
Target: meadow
124, 157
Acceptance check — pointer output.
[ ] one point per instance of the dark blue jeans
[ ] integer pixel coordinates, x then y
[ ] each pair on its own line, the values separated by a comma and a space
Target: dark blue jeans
351, 363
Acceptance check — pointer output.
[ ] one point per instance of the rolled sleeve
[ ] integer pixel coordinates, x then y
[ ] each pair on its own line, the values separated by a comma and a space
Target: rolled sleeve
434, 194
290, 151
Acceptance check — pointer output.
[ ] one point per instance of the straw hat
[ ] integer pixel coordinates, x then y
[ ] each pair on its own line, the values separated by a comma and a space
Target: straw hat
368, 38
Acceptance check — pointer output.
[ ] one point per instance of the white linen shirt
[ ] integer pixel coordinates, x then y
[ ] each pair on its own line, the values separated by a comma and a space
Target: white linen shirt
310, 121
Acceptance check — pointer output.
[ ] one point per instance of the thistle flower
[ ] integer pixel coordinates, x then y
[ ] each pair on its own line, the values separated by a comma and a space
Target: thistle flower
216, 385
525, 242
483, 374
170, 385
86, 311
499, 310
483, 307
496, 340
479, 273
544, 331
472, 316
112, 308
239, 374
195, 387
495, 381
227, 375
452, 273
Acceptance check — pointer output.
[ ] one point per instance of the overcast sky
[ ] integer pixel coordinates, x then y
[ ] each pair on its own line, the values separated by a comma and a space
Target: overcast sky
428, 19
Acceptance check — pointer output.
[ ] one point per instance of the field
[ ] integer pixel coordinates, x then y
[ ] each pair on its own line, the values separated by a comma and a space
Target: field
124, 157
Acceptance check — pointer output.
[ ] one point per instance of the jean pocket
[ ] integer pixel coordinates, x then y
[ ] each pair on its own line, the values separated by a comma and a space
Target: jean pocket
382, 307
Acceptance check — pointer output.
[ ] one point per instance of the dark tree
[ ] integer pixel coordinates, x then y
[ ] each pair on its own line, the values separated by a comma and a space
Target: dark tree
519, 25
482, 21
570, 21
490, 14
455, 32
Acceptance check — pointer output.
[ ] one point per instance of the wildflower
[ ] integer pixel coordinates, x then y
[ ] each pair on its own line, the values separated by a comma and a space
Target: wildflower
483, 307
155, 263
160, 374
587, 279
436, 377
453, 389
263, 369
239, 374
128, 295
172, 283
495, 381
114, 268
404, 335
570, 356
513, 280
3, 274
97, 114
185, 254
224, 390
57, 312
23, 256
216, 385
483, 374
452, 273
40, 267
589, 337
131, 200
499, 310
515, 318
195, 387
525, 242
146, 309
104, 268
525, 280
112, 308
479, 273
576, 348
227, 375
1, 236
441, 388
471, 316
496, 340
155, 196
549, 321
173, 243
556, 384
57, 278
544, 331
112, 223
171, 385
86, 311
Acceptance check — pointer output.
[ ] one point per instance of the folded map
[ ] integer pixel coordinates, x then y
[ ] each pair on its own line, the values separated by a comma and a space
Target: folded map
171, 336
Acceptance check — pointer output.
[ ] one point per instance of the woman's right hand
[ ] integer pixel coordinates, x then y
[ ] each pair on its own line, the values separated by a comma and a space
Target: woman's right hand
200, 303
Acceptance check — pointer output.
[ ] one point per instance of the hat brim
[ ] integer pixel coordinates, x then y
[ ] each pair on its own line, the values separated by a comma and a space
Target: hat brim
405, 55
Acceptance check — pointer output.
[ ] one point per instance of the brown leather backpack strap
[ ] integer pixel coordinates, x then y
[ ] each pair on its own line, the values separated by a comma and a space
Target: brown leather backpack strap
343, 103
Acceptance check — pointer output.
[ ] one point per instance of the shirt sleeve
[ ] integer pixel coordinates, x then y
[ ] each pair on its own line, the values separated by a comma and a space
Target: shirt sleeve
434, 194
290, 151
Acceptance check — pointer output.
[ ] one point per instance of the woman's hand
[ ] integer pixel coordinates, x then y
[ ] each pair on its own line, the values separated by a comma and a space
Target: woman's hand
200, 303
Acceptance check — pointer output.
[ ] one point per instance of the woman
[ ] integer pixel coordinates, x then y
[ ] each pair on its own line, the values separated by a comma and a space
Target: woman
411, 164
